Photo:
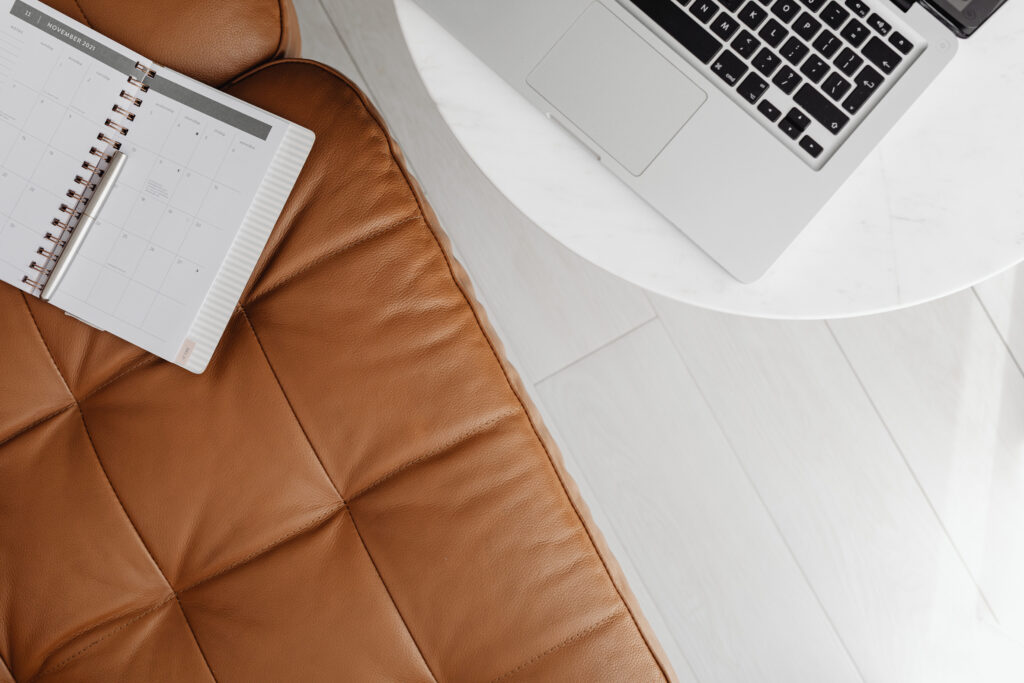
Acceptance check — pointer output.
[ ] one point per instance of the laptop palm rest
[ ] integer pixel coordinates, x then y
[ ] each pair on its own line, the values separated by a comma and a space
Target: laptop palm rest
612, 85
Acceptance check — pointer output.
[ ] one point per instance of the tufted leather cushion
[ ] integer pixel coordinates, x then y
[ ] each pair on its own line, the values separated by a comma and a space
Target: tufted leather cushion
212, 41
354, 490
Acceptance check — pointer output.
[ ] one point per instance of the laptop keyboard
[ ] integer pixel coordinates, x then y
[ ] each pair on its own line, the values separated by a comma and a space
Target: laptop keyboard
808, 70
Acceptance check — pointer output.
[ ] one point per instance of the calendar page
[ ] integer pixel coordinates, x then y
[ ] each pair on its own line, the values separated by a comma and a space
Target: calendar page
192, 171
162, 256
54, 99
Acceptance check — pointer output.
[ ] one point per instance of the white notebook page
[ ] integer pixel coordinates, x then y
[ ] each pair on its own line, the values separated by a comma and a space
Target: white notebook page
190, 177
54, 99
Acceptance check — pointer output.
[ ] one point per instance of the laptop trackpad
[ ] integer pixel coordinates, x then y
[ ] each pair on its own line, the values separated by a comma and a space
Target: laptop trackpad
616, 88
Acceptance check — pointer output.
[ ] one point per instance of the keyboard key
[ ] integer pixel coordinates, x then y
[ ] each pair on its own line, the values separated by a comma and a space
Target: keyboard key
857, 99
790, 129
879, 24
681, 27
766, 61
752, 87
848, 61
809, 145
798, 119
827, 43
835, 86
704, 10
821, 110
866, 83
731, 5
901, 43
724, 26
769, 110
773, 33
785, 10
834, 15
746, 44
729, 68
794, 51
859, 7
787, 80
881, 55
854, 33
806, 26
814, 68
813, 5
753, 15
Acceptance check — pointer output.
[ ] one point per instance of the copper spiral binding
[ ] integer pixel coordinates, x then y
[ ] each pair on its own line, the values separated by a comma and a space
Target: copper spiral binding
118, 109
103, 137
85, 185
138, 84
89, 185
148, 73
35, 284
118, 128
131, 98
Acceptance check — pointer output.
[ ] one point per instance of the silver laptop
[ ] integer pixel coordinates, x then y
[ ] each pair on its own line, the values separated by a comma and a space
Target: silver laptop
735, 119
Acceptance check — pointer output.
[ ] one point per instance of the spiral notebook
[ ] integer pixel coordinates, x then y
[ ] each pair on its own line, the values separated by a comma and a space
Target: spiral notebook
132, 197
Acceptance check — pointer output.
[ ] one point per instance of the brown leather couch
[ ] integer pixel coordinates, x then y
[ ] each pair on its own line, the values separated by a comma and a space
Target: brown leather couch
357, 488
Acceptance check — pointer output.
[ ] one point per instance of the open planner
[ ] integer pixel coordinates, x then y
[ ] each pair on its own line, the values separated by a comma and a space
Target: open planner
132, 197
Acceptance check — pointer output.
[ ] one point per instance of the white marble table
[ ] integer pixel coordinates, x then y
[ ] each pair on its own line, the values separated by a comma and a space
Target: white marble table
937, 208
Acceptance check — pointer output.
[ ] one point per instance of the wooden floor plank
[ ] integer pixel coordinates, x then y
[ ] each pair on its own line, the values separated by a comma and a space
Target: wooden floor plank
844, 499
953, 397
1003, 299
321, 42
667, 480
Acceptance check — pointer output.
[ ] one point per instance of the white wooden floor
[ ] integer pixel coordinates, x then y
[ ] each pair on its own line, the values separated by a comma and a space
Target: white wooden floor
793, 502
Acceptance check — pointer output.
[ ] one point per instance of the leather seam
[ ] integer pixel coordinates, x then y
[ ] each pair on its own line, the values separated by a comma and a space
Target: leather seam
49, 353
381, 128
128, 518
391, 597
78, 653
327, 474
85, 17
288, 401
25, 430
145, 546
265, 550
144, 361
565, 643
436, 453
268, 548
195, 639
327, 257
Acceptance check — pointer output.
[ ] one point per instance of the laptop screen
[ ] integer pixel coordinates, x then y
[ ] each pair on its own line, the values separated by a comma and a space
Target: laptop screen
965, 16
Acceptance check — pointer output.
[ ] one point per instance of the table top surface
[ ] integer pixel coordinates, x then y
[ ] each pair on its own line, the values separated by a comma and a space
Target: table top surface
938, 207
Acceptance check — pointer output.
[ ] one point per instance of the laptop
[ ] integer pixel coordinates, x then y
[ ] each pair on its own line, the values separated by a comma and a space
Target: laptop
736, 120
